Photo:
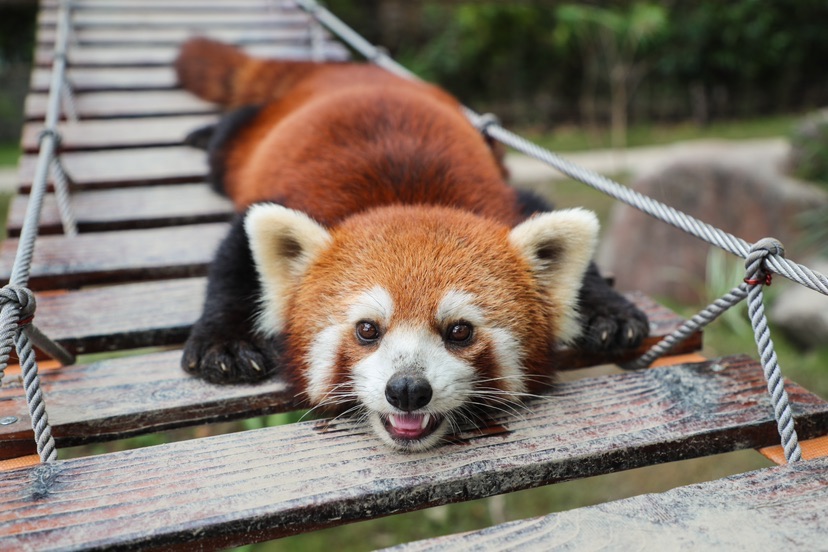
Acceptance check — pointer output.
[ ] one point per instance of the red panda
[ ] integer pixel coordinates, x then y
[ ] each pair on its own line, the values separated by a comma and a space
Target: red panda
380, 262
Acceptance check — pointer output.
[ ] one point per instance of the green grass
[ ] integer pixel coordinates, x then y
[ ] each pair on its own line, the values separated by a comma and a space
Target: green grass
575, 138
9, 154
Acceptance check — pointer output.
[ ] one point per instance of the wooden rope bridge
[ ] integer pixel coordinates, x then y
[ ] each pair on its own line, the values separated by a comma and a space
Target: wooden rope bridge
134, 278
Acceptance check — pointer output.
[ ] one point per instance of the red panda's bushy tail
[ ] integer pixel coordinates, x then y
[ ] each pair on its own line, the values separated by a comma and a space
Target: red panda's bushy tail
223, 74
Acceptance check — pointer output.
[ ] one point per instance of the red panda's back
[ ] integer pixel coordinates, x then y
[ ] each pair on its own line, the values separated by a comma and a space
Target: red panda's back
346, 140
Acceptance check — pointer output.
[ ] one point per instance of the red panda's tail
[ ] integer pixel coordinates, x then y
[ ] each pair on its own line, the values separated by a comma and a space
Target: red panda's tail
208, 69
225, 75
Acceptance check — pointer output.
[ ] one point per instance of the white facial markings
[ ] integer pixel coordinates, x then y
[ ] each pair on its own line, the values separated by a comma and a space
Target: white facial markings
510, 356
322, 362
419, 350
459, 305
375, 304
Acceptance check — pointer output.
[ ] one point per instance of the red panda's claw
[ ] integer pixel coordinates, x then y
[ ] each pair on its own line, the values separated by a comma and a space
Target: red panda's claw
228, 361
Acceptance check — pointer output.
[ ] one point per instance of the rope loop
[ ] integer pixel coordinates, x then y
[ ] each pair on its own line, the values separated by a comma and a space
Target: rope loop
23, 298
757, 274
485, 121
49, 132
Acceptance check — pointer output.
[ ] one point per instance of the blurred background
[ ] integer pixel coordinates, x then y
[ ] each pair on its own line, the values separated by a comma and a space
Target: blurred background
714, 107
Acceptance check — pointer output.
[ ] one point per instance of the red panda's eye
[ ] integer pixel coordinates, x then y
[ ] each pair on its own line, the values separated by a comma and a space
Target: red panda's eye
367, 332
460, 333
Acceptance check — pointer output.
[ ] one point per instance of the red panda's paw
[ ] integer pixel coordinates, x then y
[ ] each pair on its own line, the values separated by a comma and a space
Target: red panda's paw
231, 361
614, 326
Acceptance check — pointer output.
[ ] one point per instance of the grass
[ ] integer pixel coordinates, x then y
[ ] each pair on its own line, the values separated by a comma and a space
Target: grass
9, 154
575, 138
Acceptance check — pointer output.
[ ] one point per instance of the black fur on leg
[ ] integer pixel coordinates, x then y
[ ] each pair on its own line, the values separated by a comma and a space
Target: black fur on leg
216, 138
610, 321
223, 346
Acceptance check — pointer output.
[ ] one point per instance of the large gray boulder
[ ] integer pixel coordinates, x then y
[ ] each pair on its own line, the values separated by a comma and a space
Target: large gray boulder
747, 200
801, 313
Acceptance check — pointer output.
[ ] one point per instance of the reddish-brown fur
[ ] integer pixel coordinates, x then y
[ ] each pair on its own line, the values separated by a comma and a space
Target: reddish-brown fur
316, 146
441, 249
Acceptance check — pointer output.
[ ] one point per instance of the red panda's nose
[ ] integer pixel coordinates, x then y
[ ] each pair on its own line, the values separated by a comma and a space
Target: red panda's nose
408, 392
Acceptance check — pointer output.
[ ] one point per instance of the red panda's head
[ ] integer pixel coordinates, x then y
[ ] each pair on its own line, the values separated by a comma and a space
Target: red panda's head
418, 315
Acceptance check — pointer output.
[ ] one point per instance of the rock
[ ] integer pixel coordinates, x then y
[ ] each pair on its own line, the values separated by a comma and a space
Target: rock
801, 313
748, 201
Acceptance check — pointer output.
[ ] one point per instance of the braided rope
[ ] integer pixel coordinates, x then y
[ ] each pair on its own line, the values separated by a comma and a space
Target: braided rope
67, 95
34, 397
17, 303
694, 324
760, 257
756, 278
63, 198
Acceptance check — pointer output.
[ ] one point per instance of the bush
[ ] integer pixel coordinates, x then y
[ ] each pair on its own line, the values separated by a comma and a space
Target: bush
808, 158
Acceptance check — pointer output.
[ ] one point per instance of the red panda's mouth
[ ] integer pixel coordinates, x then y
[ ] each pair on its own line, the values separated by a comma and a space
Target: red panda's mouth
411, 426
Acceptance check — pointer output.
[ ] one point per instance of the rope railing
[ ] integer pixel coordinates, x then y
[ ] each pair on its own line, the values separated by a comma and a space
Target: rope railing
762, 259
17, 303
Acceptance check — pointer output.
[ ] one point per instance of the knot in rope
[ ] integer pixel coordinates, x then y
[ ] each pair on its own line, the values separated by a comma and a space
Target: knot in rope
49, 132
485, 121
23, 298
755, 261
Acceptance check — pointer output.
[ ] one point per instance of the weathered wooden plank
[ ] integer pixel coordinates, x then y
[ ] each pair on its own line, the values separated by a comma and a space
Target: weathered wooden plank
85, 79
124, 324
134, 395
261, 484
127, 209
295, 46
162, 5
122, 168
170, 36
118, 133
148, 17
126, 316
147, 103
109, 257
773, 508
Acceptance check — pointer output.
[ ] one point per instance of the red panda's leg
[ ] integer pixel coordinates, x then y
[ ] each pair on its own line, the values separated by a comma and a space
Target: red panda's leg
222, 346
609, 320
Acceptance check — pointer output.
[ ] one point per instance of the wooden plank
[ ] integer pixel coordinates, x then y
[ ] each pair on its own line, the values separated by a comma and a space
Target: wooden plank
122, 168
295, 47
262, 484
774, 508
118, 5
149, 103
126, 316
85, 79
149, 18
132, 319
127, 209
175, 5
118, 133
134, 395
110, 257
170, 36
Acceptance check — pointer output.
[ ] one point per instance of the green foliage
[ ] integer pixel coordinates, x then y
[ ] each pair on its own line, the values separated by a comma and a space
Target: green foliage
809, 148
9, 152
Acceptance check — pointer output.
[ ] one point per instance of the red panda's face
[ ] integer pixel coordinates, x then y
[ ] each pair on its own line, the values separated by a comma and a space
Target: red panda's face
416, 317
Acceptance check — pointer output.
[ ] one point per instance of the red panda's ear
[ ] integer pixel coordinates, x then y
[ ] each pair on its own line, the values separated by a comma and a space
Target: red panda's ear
559, 246
284, 243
